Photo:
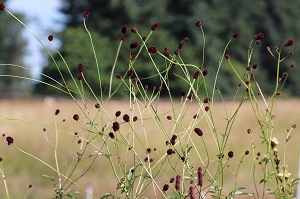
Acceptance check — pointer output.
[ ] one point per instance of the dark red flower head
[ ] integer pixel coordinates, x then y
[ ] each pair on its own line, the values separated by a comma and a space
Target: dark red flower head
134, 30
199, 24
80, 67
124, 29
259, 36
230, 154
205, 72
130, 72
50, 37
118, 76
123, 38
154, 26
134, 44
196, 74
198, 131
236, 35
76, 117
85, 14
165, 187
152, 49
178, 182
177, 52
289, 43
2, 6
126, 118
116, 126
9, 140
227, 56
57, 111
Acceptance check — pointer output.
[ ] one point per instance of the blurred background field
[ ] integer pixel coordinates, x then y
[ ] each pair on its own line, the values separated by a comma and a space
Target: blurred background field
22, 170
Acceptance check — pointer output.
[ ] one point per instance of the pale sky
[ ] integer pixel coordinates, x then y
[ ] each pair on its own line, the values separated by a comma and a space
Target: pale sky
43, 18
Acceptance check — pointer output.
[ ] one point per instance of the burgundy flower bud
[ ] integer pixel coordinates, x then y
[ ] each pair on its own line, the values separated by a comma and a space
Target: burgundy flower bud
235, 35
196, 74
174, 137
50, 37
167, 53
170, 151
126, 118
134, 44
97, 105
85, 14
118, 76
9, 140
111, 135
257, 42
199, 24
165, 187
289, 43
80, 77
192, 193
177, 52
285, 74
123, 38
135, 118
186, 39
76, 117
118, 113
230, 154
154, 26
291, 52
172, 180
132, 57
255, 66
206, 108
148, 150
146, 159
206, 100
258, 153
144, 38
259, 36
205, 72
247, 152
227, 56
293, 65
180, 45
130, 72
248, 68
2, 6
134, 30
198, 131
57, 111
116, 126
178, 183
169, 117
200, 176
80, 67
152, 49
124, 29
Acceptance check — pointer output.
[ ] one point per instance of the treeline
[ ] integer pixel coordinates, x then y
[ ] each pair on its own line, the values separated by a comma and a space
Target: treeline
278, 20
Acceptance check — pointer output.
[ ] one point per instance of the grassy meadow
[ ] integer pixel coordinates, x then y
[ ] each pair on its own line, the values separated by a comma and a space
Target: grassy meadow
32, 124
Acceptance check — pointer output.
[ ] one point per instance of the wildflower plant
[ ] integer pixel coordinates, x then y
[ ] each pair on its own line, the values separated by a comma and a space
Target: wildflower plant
165, 147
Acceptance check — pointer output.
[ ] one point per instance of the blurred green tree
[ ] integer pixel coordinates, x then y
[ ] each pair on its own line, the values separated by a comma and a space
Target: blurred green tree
12, 49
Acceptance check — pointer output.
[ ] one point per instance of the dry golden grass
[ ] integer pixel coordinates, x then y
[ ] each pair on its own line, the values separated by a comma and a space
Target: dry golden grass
22, 170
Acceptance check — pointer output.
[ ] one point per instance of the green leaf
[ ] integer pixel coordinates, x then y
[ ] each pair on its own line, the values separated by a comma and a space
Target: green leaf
106, 196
